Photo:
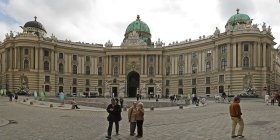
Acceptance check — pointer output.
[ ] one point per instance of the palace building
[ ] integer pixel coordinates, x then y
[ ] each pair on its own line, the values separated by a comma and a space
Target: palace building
240, 60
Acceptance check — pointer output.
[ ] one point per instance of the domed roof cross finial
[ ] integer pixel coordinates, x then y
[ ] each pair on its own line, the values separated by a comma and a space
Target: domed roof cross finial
237, 10
138, 17
35, 18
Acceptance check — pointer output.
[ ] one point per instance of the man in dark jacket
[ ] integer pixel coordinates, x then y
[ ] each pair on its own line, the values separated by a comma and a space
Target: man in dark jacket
235, 113
114, 111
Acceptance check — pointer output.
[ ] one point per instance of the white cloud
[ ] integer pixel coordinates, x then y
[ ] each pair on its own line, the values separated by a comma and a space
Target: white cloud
97, 21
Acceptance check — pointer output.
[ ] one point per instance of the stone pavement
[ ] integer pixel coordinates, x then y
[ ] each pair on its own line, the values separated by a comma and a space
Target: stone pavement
211, 122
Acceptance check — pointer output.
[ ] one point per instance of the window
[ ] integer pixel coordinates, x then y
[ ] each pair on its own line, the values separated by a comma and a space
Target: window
208, 66
87, 59
151, 58
246, 62
116, 59
223, 49
180, 82
46, 66
26, 64
60, 68
208, 80
207, 90
26, 51
223, 64
74, 69
194, 68
87, 82
47, 88
116, 71
167, 82
100, 91
209, 52
74, 57
193, 55
168, 70
167, 92
46, 53
168, 59
60, 55
181, 57
151, 71
74, 81
194, 81
246, 48
221, 78
60, 80
180, 91
99, 70
47, 79
100, 59
87, 70
181, 70
99, 82
74, 90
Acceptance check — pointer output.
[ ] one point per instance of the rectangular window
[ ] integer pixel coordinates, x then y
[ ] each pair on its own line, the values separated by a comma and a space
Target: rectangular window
208, 80
46, 53
246, 48
223, 49
167, 82
116, 59
100, 59
26, 51
99, 82
47, 88
47, 79
207, 90
193, 55
194, 81
181, 57
87, 58
180, 82
87, 81
74, 81
74, 57
60, 56
60, 80
151, 58
221, 78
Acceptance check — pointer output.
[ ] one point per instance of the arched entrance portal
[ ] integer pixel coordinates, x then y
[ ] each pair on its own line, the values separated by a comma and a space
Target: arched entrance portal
133, 79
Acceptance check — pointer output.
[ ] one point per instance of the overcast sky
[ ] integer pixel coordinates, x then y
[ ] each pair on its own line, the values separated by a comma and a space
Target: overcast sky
97, 21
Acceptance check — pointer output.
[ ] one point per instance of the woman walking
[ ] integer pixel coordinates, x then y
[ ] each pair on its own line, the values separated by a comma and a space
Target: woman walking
140, 119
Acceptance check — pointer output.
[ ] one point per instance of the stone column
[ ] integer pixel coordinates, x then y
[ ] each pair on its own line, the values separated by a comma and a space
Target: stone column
156, 68
145, 65
199, 66
36, 58
52, 61
234, 55
124, 64
255, 53
121, 65
264, 55
83, 65
187, 65
55, 61
92, 70
259, 54
11, 58
110, 64
229, 64
160, 64
239, 54
203, 61
15, 58
41, 62
106, 64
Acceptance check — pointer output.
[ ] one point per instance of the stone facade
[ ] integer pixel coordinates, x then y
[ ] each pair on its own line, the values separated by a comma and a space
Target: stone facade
241, 59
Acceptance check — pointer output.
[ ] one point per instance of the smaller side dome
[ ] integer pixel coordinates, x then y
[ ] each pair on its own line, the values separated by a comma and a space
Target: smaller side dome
34, 27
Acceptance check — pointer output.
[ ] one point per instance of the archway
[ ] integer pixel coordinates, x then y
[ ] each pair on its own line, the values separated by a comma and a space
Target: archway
133, 79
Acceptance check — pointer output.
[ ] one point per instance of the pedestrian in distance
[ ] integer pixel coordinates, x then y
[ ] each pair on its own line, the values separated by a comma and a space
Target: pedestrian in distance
16, 96
266, 98
140, 119
121, 102
272, 99
235, 114
132, 111
10, 95
114, 116
74, 104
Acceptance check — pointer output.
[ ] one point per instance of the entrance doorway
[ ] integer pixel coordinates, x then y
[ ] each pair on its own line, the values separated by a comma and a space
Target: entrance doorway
193, 90
151, 92
133, 79
115, 91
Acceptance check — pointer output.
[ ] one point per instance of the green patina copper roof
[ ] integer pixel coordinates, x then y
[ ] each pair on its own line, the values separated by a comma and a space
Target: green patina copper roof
238, 18
35, 24
137, 25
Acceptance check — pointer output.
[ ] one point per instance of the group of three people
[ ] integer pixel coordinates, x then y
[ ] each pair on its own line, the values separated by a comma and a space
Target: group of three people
135, 117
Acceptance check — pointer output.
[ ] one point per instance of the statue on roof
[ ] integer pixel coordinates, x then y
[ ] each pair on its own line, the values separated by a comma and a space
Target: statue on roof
217, 31
264, 26
11, 34
269, 29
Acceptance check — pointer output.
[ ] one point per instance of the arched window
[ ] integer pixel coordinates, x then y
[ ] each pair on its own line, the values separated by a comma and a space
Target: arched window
87, 70
116, 71
60, 68
26, 64
168, 70
246, 62
223, 64
194, 68
46, 66
99, 70
208, 66
74, 69
151, 71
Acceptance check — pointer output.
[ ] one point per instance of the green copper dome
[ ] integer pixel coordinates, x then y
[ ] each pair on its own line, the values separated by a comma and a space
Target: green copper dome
138, 26
238, 18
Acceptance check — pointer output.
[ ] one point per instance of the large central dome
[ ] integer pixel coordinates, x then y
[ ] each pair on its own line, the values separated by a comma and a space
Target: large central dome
138, 26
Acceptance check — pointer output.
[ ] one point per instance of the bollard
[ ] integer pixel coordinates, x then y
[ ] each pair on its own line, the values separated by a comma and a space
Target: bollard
51, 105
24, 100
181, 107
152, 108
31, 103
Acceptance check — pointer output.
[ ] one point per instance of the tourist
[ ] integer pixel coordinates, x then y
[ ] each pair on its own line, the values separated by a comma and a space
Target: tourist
35, 94
16, 96
114, 116
266, 98
235, 113
272, 99
10, 95
61, 98
140, 119
137, 97
74, 104
121, 102
132, 117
